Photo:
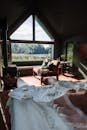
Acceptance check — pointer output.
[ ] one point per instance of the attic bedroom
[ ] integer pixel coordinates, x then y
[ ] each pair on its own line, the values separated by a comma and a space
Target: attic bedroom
43, 65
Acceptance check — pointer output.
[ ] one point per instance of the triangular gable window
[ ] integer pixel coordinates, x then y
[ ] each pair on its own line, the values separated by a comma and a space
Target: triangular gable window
25, 31
41, 33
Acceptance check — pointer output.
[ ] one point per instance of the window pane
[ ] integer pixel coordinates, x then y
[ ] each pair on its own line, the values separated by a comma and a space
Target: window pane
41, 33
24, 32
70, 53
31, 52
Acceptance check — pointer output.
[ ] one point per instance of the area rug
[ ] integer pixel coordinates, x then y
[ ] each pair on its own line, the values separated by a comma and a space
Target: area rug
32, 80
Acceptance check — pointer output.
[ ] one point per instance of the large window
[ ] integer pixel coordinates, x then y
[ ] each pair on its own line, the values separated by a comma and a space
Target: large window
31, 52
31, 42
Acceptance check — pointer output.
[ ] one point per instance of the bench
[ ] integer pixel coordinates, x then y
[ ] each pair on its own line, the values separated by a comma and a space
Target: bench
24, 70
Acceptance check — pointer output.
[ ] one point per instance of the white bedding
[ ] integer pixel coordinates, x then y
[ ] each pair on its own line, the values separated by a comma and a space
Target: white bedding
31, 107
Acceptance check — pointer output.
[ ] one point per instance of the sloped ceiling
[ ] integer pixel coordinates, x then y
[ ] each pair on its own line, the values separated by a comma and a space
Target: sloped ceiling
65, 18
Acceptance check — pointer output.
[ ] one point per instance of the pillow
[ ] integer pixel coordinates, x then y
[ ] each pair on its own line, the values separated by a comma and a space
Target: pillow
47, 65
55, 62
50, 66
44, 65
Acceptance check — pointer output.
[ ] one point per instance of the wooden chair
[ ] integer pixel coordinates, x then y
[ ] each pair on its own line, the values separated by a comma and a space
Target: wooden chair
48, 72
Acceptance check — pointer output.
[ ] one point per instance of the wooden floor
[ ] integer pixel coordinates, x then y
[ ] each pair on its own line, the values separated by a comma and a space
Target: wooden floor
35, 80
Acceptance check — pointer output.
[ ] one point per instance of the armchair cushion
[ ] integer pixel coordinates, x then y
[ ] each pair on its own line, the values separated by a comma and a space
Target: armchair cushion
46, 65
52, 65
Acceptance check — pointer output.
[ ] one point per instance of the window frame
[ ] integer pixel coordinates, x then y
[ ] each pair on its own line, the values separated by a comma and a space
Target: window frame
34, 17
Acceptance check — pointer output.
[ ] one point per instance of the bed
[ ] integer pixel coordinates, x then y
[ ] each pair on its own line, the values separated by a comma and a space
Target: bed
46, 108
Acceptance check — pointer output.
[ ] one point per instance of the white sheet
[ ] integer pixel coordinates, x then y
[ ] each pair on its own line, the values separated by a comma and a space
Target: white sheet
31, 108
28, 115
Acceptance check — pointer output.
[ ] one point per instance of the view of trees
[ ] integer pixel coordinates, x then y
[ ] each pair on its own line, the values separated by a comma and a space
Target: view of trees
25, 48
30, 52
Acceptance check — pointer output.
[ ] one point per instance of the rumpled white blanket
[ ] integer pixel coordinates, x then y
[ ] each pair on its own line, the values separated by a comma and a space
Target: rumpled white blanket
46, 93
31, 108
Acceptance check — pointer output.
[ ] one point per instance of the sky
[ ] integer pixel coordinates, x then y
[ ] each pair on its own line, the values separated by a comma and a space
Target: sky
24, 32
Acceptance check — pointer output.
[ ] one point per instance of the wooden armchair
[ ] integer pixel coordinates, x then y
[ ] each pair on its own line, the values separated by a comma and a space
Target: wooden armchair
53, 71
